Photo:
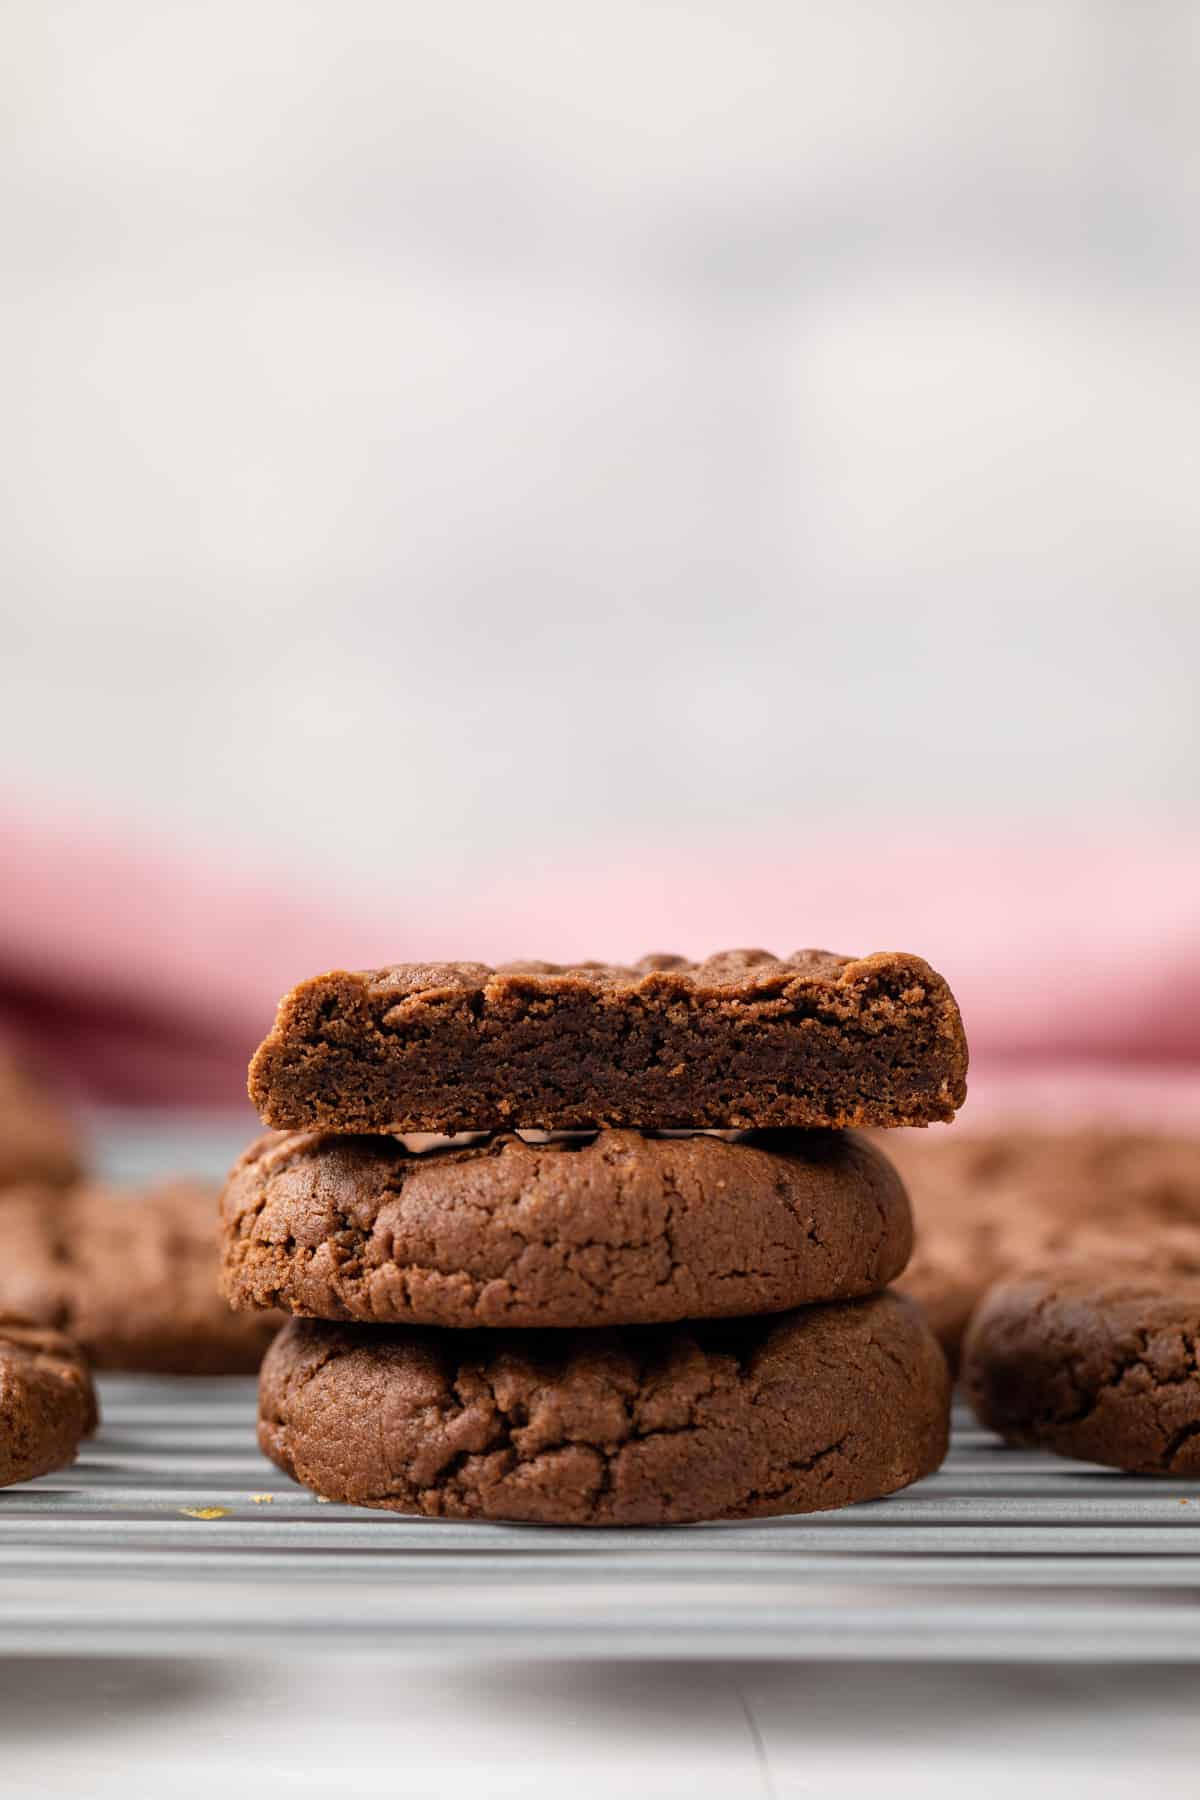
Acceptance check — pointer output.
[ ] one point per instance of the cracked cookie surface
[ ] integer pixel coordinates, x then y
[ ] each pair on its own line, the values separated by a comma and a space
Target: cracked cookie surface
1093, 1358
612, 1229
132, 1277
47, 1402
740, 1419
744, 1039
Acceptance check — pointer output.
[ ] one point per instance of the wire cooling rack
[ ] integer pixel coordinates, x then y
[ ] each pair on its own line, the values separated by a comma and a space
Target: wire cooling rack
172, 1534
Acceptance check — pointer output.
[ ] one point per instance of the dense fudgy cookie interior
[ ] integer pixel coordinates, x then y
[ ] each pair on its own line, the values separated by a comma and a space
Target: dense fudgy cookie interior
744, 1039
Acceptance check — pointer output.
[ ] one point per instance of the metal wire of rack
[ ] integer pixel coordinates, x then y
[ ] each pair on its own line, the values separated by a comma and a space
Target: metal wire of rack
172, 1534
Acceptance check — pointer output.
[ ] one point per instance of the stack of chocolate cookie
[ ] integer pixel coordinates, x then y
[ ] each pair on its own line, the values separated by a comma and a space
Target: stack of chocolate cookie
642, 1280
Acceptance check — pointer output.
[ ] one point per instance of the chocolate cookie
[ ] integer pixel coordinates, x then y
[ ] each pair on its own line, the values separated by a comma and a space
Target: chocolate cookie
1098, 1359
47, 1402
131, 1277
743, 1039
659, 1425
37, 1141
984, 1204
611, 1229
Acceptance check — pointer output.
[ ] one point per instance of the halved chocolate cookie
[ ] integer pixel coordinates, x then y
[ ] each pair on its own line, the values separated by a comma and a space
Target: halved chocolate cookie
744, 1039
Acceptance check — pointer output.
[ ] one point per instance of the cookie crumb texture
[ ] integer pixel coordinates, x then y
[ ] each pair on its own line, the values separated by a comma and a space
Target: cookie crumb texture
744, 1039
132, 1277
1095, 1359
613, 1229
47, 1402
668, 1425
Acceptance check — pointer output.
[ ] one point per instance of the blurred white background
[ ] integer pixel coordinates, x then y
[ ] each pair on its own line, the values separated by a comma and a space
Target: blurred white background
422, 423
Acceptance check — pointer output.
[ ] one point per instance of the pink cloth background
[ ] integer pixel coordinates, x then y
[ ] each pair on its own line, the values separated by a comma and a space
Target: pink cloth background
145, 978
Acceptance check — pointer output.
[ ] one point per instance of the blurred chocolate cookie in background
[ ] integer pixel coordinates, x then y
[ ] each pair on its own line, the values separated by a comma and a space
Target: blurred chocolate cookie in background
985, 1204
38, 1141
131, 1276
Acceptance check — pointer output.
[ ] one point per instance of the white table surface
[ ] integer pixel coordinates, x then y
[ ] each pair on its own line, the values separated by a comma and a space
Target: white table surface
321, 1725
